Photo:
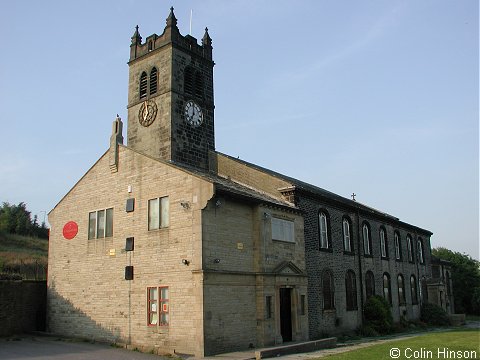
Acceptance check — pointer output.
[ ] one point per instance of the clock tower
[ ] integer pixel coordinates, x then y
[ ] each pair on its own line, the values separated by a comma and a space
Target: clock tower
170, 96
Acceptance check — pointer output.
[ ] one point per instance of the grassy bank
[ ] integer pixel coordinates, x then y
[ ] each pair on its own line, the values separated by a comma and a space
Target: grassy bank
23, 256
454, 344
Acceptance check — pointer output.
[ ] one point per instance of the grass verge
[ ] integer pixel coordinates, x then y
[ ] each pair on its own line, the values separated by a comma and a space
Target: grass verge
454, 344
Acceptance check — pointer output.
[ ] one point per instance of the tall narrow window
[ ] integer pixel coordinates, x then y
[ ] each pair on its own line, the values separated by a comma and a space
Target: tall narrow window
413, 289
188, 80
347, 243
401, 290
383, 244
199, 84
158, 306
387, 289
447, 281
398, 253
323, 225
369, 284
351, 290
424, 290
143, 85
420, 251
367, 240
158, 213
409, 248
100, 224
328, 290
153, 81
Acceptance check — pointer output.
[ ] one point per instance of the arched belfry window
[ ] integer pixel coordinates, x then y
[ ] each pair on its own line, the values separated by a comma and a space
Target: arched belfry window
153, 81
143, 85
188, 80
199, 84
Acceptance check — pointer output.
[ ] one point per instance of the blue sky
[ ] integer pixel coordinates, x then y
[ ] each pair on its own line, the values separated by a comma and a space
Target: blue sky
374, 97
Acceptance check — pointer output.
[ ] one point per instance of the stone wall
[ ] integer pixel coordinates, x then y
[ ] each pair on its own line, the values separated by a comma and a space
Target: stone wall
22, 306
88, 295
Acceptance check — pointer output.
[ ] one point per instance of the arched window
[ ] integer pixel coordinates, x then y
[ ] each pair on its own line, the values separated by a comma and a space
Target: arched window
188, 80
143, 85
401, 290
153, 81
420, 251
367, 240
347, 238
398, 249
413, 289
351, 290
328, 290
383, 243
199, 84
409, 248
369, 284
424, 290
387, 289
323, 230
447, 280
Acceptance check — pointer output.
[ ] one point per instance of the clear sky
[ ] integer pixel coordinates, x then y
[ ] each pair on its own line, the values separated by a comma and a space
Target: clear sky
374, 97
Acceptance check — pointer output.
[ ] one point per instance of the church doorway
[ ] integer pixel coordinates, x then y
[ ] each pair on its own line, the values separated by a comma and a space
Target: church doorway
286, 314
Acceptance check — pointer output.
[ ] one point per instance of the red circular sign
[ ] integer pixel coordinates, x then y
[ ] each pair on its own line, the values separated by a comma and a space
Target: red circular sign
70, 230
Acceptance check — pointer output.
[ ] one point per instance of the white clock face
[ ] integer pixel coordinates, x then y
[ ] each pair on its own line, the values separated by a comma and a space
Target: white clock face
193, 114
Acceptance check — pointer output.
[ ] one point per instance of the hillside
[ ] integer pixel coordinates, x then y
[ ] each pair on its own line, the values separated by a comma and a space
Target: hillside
23, 256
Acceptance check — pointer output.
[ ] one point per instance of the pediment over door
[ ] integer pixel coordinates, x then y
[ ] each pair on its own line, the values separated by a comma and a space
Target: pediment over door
288, 268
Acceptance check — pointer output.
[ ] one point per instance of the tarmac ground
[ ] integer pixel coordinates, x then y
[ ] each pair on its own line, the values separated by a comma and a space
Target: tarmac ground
28, 347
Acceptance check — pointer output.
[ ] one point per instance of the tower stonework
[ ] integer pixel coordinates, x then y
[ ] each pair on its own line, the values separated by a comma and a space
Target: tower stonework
170, 96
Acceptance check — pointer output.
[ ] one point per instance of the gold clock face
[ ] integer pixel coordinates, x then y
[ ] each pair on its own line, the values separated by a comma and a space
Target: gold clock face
147, 113
193, 114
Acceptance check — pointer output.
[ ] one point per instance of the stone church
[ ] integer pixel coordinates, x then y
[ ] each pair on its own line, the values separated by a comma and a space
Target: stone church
166, 244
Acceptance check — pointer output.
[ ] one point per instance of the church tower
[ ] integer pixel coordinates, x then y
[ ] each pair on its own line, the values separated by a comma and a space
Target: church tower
170, 96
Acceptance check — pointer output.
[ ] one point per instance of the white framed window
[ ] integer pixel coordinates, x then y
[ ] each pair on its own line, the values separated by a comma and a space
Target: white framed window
420, 251
366, 240
347, 245
283, 230
100, 224
398, 255
383, 243
409, 248
158, 213
323, 228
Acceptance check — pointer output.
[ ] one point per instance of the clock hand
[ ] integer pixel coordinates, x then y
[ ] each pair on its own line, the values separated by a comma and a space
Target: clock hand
145, 110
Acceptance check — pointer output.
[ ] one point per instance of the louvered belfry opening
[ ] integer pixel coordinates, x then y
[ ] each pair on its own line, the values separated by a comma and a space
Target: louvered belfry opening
188, 81
153, 81
143, 85
199, 84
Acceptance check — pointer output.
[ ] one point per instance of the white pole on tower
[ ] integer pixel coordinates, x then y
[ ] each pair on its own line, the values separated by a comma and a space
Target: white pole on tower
191, 15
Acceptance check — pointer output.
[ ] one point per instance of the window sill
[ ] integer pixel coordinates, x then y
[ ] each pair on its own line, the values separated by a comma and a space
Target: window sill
385, 258
399, 260
351, 253
368, 255
328, 250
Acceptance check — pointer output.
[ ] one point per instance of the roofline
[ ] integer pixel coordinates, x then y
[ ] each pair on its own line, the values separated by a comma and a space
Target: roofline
328, 195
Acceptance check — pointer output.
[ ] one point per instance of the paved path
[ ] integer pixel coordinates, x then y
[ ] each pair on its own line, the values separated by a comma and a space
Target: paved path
46, 348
